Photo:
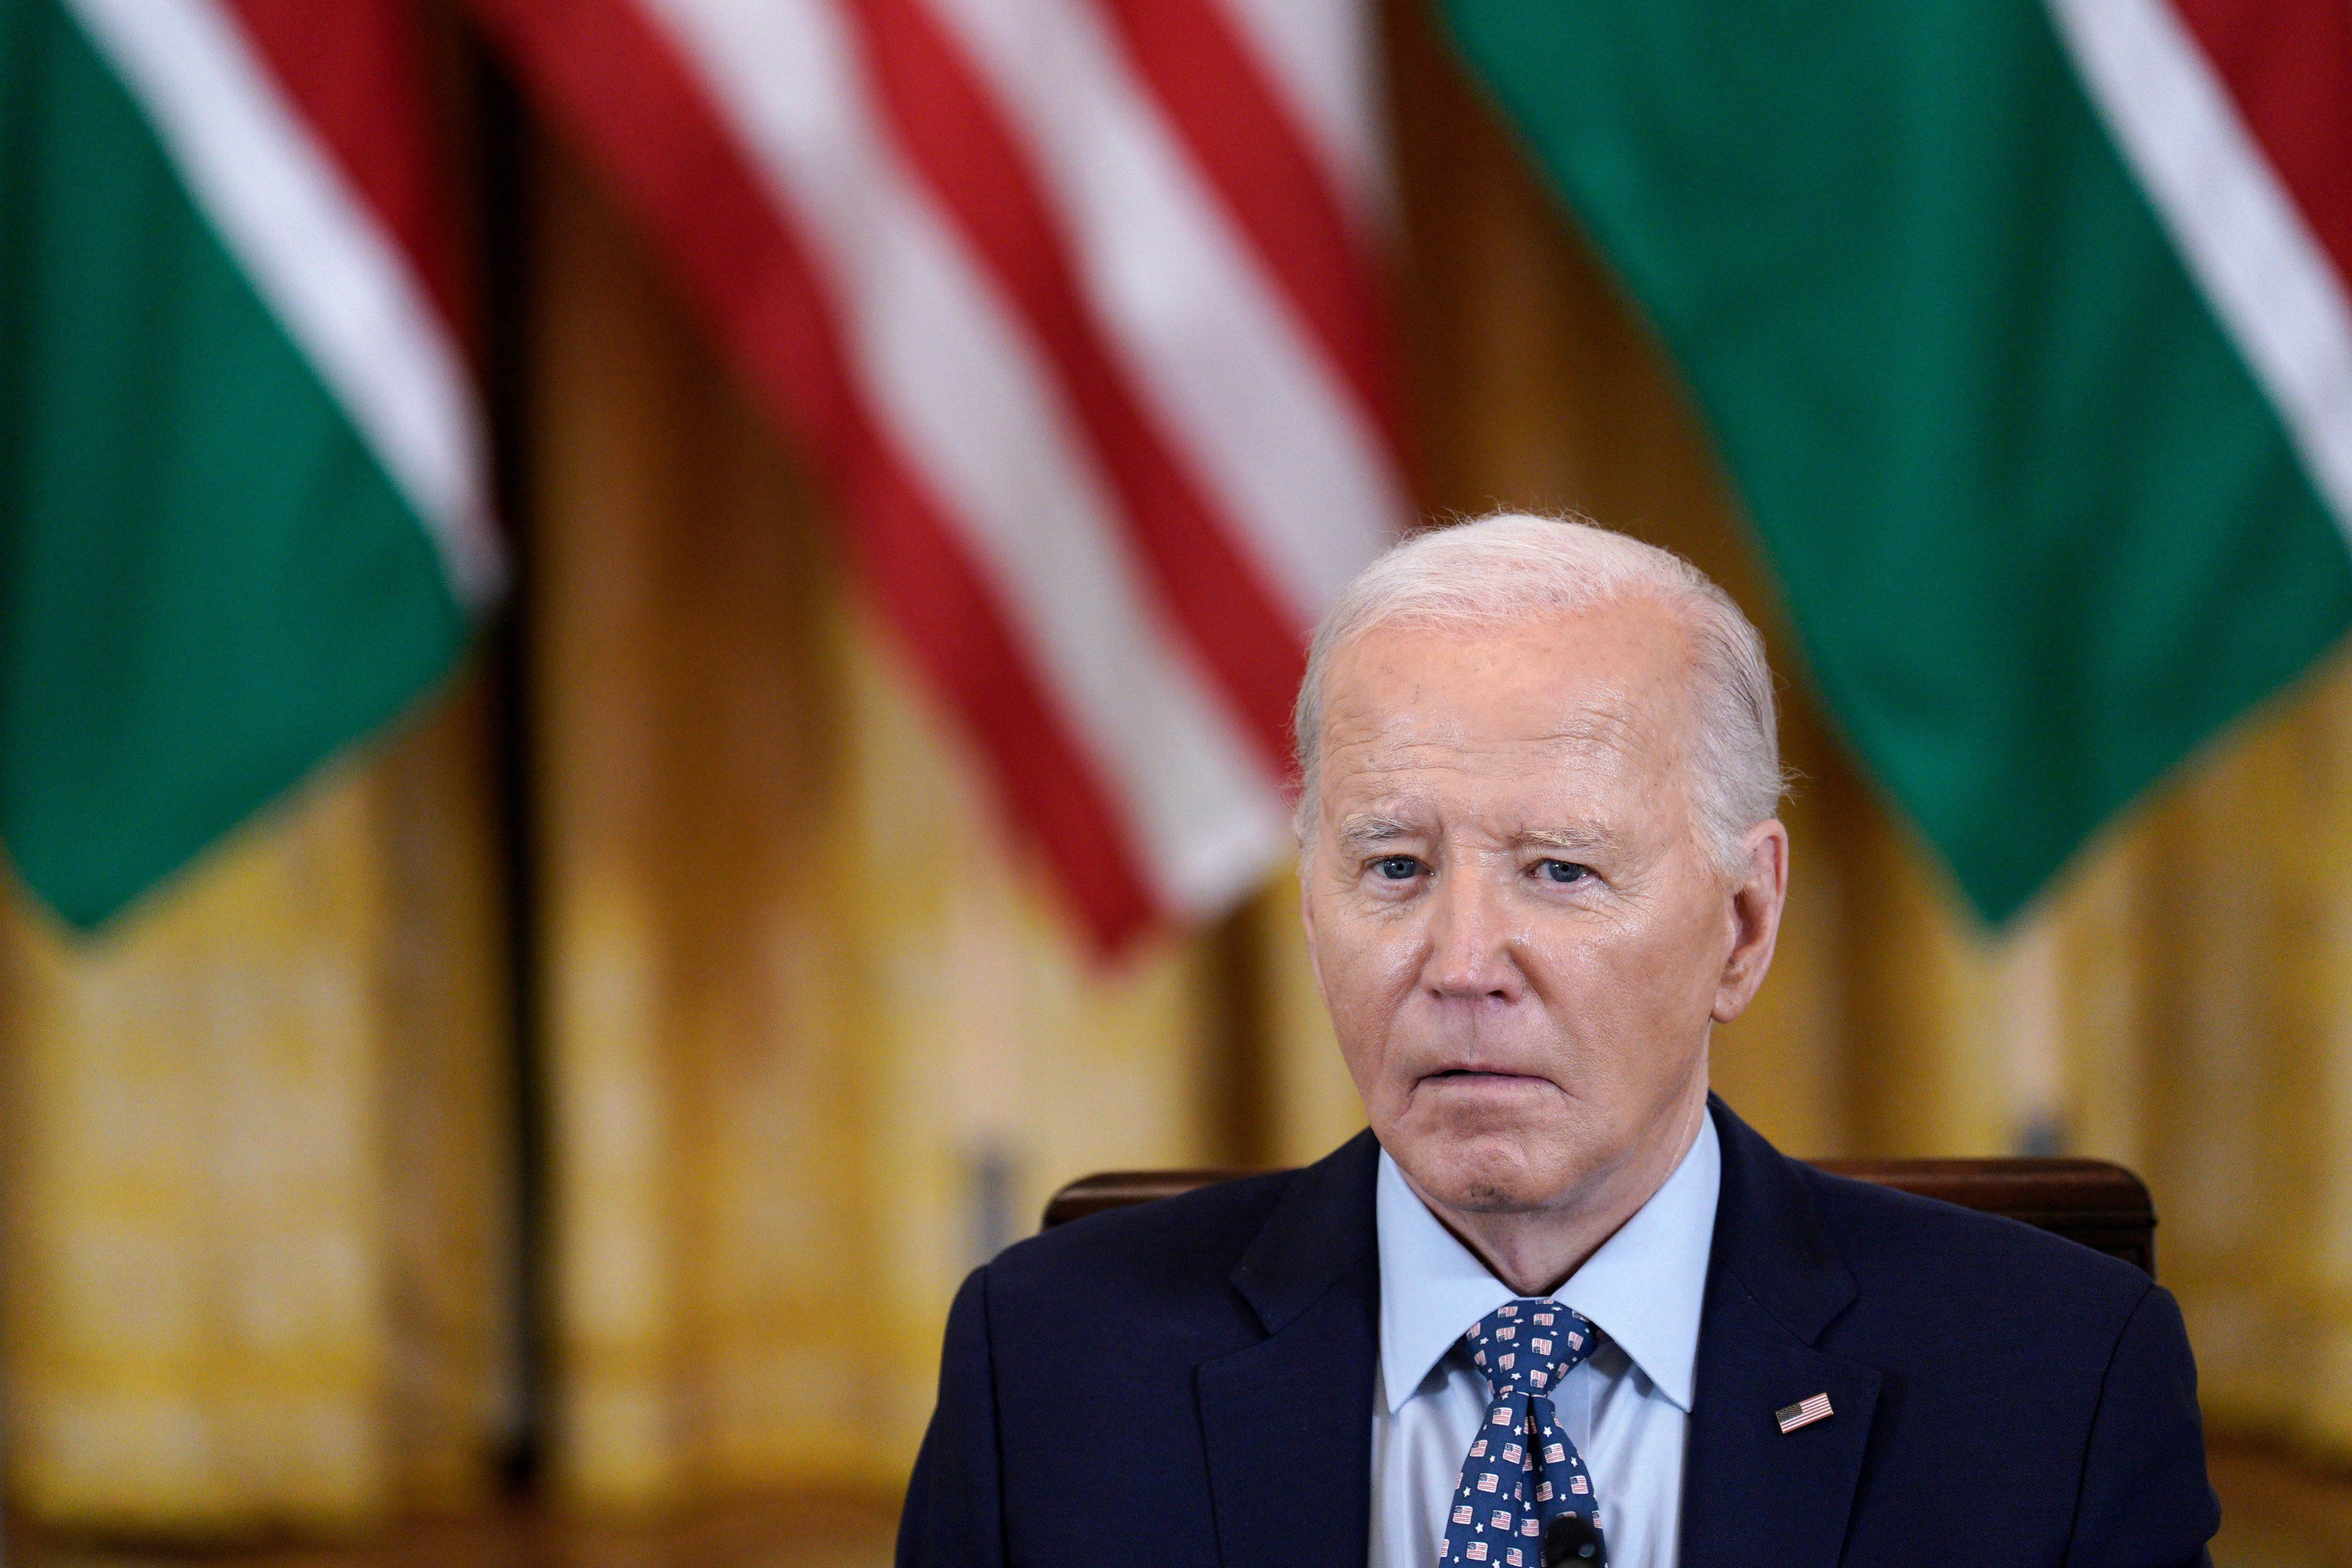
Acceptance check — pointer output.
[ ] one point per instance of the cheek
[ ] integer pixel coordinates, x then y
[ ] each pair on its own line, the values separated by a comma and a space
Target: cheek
1367, 970
1367, 966
1643, 984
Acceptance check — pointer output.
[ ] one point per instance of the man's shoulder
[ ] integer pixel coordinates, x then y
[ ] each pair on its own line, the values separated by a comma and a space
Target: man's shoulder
1195, 1237
1930, 1263
2050, 1375
1199, 1238
1201, 1269
1140, 1287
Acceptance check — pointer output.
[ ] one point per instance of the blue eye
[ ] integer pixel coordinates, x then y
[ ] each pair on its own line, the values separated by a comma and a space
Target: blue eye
1566, 870
1397, 868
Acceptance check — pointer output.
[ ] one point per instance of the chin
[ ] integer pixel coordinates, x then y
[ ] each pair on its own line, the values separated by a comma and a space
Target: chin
1485, 1173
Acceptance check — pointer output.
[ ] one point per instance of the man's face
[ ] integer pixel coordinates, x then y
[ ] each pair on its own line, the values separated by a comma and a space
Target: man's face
1521, 939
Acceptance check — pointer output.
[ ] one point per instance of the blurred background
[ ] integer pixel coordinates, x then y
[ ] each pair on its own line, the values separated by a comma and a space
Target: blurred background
647, 643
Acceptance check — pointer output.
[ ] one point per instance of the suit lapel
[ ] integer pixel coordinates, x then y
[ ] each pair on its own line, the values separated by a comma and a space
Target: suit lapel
1752, 1493
1288, 1422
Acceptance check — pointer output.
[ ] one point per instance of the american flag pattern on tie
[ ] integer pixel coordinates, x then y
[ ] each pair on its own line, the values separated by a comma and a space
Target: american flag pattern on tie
1521, 1472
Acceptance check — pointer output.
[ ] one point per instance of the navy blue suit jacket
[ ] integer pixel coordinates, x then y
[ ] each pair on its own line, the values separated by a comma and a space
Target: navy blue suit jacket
1189, 1384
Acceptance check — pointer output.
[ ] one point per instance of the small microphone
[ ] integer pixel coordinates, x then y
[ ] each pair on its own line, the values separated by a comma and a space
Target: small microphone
1573, 1541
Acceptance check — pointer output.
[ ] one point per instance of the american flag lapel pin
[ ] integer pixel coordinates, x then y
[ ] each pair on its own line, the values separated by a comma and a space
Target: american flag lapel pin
1803, 1413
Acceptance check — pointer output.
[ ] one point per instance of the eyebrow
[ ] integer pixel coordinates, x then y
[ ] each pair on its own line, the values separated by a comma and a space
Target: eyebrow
1364, 829
1586, 839
1367, 829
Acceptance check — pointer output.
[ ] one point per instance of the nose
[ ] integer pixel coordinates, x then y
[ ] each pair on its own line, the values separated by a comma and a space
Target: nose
1470, 956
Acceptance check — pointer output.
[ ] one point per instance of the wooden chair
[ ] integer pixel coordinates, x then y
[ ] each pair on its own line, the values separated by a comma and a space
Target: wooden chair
2102, 1205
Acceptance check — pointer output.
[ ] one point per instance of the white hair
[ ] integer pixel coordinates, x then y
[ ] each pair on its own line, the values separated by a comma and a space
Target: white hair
1510, 569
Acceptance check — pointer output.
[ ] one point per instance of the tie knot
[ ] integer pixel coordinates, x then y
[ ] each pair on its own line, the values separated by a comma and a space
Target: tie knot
1528, 1344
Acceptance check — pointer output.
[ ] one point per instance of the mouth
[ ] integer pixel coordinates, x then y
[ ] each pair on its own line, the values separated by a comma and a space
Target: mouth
1479, 1075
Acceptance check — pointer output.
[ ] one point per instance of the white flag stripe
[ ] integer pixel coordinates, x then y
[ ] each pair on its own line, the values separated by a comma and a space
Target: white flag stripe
1324, 60
2240, 231
337, 282
1219, 355
977, 418
960, 392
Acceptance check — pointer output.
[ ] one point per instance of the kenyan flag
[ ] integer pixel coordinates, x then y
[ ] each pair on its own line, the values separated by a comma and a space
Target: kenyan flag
242, 518
2023, 329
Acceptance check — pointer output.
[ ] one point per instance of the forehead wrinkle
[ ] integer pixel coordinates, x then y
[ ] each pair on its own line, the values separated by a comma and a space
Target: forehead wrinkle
1627, 725
1384, 742
1615, 722
1379, 777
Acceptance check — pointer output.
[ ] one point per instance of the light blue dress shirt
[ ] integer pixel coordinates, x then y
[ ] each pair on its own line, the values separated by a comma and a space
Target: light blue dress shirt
1627, 1409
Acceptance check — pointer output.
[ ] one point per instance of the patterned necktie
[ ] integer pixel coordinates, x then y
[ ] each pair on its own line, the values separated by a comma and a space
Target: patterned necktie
1521, 1472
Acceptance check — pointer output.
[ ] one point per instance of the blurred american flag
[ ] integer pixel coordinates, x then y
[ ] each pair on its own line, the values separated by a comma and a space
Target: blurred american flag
1075, 303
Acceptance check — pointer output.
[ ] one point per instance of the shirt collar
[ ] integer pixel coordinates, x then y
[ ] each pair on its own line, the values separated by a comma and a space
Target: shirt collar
1642, 1288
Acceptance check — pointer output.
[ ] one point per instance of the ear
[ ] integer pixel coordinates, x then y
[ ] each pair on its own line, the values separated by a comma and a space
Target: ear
1754, 915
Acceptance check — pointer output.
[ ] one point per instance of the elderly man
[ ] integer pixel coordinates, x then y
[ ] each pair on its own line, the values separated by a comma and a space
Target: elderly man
1558, 1303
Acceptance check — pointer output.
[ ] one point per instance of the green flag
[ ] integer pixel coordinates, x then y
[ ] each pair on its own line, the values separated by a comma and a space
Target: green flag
240, 506
2045, 436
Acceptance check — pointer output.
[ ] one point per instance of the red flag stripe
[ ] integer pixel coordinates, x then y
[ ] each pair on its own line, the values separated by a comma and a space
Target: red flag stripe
1243, 137
355, 72
1234, 380
621, 87
954, 134
2288, 68
939, 605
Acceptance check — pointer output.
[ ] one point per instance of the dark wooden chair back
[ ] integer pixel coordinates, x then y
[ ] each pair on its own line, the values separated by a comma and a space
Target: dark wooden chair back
2102, 1205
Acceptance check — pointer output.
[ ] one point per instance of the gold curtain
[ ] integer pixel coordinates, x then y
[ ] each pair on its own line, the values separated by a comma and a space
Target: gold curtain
813, 1040
812, 1037
258, 1175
